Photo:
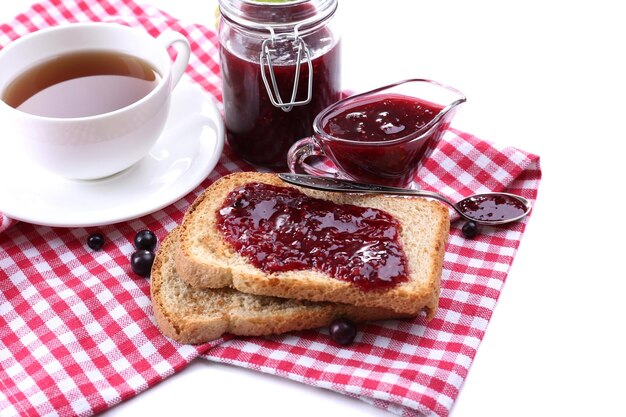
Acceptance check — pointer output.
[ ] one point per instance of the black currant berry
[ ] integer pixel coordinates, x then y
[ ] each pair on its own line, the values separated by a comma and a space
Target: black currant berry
141, 262
342, 331
95, 241
145, 239
470, 230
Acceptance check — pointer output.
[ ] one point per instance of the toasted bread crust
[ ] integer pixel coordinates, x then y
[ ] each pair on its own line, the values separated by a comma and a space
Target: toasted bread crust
194, 315
204, 259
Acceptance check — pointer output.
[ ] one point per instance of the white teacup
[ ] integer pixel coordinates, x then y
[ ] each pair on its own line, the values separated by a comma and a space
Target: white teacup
98, 145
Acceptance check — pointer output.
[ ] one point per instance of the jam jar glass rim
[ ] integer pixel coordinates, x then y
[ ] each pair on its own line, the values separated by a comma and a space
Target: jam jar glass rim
318, 129
307, 21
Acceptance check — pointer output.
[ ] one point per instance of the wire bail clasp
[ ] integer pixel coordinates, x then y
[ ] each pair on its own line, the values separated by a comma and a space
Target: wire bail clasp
272, 90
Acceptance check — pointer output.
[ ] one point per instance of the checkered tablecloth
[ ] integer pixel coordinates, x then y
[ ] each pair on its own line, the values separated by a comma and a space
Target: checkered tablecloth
77, 333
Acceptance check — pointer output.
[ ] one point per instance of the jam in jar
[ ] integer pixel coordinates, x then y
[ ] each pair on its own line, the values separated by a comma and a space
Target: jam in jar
280, 66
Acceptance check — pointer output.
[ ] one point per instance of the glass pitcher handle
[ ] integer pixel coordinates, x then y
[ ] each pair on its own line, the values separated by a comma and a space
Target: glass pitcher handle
303, 150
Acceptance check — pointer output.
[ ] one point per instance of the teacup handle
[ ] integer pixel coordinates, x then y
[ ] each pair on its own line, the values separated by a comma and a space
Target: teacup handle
300, 152
181, 44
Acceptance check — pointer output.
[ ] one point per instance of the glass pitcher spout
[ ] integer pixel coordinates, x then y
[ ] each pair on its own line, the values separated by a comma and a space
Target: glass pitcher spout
443, 95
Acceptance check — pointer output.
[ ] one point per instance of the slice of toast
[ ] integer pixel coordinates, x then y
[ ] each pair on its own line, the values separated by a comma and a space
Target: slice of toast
194, 315
205, 259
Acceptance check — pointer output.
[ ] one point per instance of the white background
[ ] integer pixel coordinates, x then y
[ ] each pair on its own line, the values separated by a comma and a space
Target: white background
547, 77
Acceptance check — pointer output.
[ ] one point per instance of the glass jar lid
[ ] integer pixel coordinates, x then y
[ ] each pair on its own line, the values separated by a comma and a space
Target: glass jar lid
277, 15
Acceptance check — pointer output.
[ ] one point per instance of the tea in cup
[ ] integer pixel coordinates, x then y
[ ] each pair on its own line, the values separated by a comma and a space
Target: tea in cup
381, 136
88, 100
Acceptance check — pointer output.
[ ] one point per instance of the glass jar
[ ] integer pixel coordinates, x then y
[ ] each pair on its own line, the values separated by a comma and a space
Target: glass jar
280, 65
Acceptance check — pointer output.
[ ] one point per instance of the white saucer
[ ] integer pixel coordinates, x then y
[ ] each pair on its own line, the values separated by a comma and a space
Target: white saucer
185, 154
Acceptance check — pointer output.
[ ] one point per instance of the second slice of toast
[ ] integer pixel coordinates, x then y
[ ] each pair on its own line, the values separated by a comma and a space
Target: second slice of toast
204, 259
196, 315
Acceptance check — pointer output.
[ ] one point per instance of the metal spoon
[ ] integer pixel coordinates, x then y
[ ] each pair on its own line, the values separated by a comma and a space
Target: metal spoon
504, 207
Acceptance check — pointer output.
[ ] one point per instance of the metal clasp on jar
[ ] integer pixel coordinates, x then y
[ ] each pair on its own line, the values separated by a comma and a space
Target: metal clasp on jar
272, 90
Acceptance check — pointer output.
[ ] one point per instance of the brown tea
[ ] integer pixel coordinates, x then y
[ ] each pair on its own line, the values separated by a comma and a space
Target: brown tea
81, 84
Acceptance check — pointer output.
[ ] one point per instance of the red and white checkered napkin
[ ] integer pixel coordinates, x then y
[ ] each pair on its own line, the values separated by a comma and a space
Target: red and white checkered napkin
77, 334
409, 367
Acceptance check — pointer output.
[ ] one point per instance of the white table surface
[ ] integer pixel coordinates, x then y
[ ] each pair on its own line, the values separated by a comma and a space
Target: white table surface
547, 77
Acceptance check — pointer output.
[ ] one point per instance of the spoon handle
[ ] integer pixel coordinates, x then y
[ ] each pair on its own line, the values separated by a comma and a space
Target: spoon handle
348, 186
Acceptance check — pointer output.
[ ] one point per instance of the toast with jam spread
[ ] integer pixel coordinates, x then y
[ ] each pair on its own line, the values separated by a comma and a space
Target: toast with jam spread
196, 315
259, 235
